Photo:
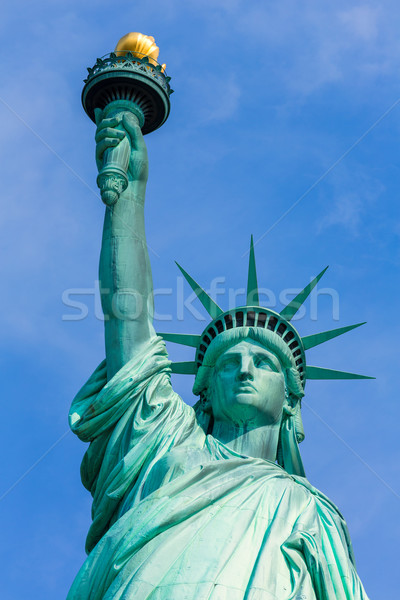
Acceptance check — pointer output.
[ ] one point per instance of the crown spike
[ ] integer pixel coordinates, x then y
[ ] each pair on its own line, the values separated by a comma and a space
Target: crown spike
252, 287
184, 339
321, 373
211, 307
291, 309
309, 341
184, 368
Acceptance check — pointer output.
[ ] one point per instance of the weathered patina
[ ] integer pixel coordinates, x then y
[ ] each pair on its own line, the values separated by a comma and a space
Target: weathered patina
204, 502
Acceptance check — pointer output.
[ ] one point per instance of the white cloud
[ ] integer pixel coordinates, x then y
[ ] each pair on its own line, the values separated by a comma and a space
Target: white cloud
346, 212
322, 42
361, 21
217, 98
354, 193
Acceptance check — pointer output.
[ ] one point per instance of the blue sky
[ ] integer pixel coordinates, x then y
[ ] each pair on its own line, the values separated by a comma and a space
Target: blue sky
271, 99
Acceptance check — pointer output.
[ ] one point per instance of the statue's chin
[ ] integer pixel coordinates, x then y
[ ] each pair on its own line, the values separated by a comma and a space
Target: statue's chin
247, 416
250, 411
250, 398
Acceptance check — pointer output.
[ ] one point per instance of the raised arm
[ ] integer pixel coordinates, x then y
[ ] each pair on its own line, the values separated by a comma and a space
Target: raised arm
124, 271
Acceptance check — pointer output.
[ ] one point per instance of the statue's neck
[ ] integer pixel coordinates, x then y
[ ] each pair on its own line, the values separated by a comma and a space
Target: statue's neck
257, 442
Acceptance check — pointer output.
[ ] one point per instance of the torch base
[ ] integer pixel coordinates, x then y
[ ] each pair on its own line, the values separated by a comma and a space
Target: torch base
134, 80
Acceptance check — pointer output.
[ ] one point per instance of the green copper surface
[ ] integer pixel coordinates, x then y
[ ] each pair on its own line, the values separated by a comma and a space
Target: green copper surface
186, 339
291, 309
321, 373
129, 78
310, 341
260, 317
211, 307
252, 286
178, 514
211, 501
184, 368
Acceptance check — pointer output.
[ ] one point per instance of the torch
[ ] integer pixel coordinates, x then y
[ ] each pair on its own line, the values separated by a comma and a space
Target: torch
128, 79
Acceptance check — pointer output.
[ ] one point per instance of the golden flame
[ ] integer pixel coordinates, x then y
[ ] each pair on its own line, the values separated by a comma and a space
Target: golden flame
140, 45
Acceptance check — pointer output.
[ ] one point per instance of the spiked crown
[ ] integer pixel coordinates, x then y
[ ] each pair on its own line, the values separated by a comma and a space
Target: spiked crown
254, 315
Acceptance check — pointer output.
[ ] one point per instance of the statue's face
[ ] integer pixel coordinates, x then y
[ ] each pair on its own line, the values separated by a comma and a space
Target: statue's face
248, 386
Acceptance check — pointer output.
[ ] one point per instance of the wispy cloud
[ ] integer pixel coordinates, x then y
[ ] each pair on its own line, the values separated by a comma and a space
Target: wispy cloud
324, 42
346, 212
354, 196
362, 21
217, 96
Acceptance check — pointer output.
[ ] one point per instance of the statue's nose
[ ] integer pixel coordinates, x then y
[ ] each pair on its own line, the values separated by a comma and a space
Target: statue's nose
246, 371
244, 375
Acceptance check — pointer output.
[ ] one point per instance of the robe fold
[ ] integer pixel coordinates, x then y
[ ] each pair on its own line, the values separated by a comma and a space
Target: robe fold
177, 515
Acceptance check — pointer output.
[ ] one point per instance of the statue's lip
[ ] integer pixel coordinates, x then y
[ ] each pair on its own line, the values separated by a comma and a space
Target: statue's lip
245, 387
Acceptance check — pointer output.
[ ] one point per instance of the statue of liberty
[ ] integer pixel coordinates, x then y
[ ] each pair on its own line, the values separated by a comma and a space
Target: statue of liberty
211, 501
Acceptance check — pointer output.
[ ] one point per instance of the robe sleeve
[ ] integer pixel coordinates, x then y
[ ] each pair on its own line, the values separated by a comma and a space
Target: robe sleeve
321, 538
130, 421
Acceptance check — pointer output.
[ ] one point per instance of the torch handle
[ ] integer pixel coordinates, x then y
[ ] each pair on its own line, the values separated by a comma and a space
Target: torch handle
113, 176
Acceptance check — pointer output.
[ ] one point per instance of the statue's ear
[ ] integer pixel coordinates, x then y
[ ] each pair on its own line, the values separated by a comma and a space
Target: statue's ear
204, 414
292, 383
287, 401
206, 402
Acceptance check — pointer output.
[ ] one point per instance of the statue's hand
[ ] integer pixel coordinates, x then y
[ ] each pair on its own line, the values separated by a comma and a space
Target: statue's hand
110, 132
138, 164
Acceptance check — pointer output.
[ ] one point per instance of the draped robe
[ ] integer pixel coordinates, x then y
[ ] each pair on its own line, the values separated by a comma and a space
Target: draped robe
177, 515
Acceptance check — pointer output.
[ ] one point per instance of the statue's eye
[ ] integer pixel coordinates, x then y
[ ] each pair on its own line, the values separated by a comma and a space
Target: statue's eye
262, 362
229, 363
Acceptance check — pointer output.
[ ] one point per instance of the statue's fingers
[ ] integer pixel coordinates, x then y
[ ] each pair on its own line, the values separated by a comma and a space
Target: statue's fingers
98, 115
109, 132
103, 145
112, 122
132, 127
